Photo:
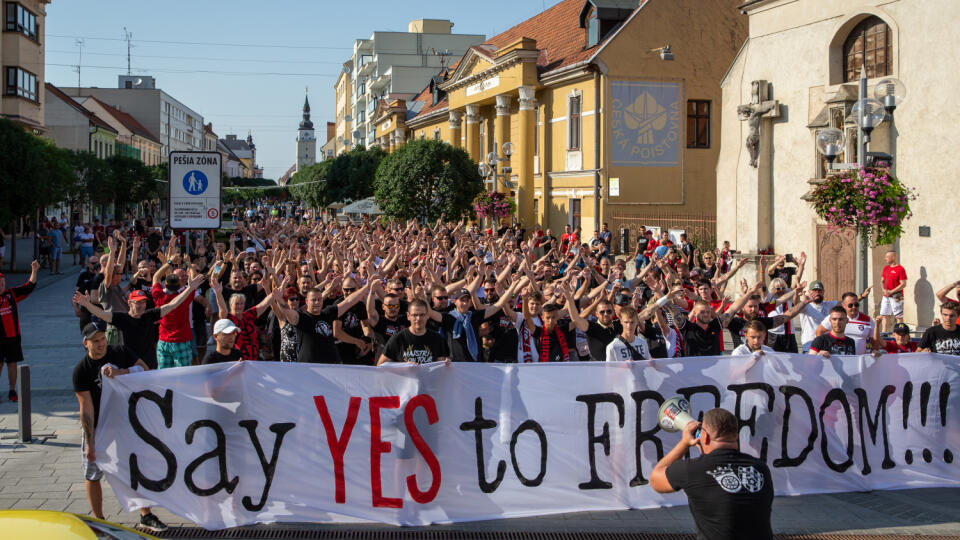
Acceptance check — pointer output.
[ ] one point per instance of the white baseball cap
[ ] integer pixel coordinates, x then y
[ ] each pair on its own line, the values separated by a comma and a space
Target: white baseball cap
224, 326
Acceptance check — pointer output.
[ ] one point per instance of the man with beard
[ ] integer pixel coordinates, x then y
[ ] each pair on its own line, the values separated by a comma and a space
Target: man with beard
859, 327
751, 311
814, 313
315, 324
388, 324
461, 324
353, 348
601, 331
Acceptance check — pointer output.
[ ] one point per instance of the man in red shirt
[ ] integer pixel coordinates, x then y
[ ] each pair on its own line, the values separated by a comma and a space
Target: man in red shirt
894, 280
175, 348
901, 342
565, 239
10, 350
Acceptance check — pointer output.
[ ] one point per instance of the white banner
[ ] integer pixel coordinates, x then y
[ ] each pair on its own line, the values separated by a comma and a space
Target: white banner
233, 444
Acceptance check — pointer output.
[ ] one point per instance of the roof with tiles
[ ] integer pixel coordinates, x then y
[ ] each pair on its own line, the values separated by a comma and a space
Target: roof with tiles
128, 121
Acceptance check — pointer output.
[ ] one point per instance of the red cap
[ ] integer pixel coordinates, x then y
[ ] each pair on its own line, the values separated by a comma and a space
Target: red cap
137, 295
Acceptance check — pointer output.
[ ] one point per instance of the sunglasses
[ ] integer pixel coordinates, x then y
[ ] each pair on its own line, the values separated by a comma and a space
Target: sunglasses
489, 290
441, 297
391, 306
605, 311
348, 290
396, 289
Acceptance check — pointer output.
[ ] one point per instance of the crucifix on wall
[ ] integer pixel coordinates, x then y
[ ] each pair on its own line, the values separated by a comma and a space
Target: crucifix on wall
759, 108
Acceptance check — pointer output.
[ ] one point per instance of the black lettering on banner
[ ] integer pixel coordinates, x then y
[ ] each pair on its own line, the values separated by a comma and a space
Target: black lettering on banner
219, 452
785, 460
837, 395
751, 422
879, 420
478, 424
905, 401
593, 439
268, 467
166, 409
690, 391
642, 435
529, 425
924, 401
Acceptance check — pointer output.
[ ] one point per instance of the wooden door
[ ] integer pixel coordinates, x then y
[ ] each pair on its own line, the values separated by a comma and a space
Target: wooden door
836, 261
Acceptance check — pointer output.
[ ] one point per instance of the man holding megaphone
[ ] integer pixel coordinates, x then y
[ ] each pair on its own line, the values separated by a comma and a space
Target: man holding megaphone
730, 493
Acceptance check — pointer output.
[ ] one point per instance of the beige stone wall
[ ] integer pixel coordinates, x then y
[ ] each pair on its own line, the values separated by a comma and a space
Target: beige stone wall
797, 46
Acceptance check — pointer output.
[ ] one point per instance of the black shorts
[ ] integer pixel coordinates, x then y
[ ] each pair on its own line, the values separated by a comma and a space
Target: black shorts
10, 350
785, 343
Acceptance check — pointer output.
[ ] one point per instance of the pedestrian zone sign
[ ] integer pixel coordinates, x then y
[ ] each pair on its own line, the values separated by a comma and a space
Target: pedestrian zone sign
195, 190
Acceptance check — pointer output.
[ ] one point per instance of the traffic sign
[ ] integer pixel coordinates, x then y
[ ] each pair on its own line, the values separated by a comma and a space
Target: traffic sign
195, 190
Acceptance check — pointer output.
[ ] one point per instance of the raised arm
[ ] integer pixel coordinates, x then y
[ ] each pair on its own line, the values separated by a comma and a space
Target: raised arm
83, 300
180, 298
942, 293
727, 315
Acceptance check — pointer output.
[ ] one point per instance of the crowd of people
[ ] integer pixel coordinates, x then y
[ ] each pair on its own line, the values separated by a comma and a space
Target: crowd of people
281, 286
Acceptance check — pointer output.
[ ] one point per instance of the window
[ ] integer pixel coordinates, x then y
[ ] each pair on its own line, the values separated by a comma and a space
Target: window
575, 214
536, 131
436, 134
536, 209
573, 123
593, 28
869, 44
20, 19
21, 83
698, 123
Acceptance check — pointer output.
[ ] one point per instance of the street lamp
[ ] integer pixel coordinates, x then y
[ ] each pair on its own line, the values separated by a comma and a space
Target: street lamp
890, 92
489, 170
830, 143
872, 115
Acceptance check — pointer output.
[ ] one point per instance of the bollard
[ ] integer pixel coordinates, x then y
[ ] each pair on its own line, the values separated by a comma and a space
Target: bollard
23, 404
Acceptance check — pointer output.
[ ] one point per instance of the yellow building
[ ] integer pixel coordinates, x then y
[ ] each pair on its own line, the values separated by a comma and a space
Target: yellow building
609, 105
343, 110
22, 44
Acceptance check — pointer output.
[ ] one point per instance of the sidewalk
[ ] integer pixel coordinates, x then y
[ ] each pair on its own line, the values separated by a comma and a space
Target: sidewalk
46, 474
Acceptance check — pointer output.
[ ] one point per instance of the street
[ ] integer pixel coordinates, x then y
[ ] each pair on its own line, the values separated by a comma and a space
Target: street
46, 474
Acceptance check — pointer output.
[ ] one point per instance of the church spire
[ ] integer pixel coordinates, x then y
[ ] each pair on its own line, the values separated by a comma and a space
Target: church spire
306, 123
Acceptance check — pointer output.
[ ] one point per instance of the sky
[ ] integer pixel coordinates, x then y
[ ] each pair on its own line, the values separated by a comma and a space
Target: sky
241, 64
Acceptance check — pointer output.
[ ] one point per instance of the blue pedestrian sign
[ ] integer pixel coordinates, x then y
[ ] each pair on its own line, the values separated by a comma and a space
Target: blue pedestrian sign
195, 190
195, 182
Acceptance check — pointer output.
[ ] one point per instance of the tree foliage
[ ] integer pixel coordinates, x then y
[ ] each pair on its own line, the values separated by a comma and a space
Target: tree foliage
426, 178
33, 172
351, 174
313, 190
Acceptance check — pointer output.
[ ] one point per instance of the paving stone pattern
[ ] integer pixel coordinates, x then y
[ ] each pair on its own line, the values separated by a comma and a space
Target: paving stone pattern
46, 474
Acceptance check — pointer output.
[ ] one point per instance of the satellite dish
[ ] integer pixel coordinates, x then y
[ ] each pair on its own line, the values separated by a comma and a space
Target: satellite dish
138, 82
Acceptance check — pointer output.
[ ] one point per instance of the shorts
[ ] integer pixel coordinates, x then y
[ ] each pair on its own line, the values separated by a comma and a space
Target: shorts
86, 251
55, 253
3, 251
785, 343
171, 354
10, 350
91, 471
892, 305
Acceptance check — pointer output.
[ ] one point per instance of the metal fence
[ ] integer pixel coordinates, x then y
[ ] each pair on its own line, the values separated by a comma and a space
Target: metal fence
701, 229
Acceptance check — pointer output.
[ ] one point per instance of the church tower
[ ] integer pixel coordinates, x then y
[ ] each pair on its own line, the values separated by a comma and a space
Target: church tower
306, 141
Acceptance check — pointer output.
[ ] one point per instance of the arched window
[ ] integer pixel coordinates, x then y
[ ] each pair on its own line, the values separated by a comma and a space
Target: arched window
869, 44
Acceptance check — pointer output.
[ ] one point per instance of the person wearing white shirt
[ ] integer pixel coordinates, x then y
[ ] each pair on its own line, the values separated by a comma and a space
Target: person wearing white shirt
814, 313
754, 335
628, 345
859, 325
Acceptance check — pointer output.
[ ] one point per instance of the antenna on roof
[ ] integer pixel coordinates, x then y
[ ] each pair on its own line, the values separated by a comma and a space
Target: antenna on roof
79, 43
127, 36
443, 57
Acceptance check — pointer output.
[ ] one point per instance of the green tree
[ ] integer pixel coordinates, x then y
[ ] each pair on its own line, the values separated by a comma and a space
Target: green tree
314, 190
130, 179
426, 178
352, 174
33, 173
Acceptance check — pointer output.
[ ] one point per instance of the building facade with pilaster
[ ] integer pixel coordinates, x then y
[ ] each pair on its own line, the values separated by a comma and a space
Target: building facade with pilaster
609, 105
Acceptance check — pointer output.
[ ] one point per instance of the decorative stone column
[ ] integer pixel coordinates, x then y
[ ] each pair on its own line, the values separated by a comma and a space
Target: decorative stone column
473, 132
523, 157
455, 118
400, 136
501, 131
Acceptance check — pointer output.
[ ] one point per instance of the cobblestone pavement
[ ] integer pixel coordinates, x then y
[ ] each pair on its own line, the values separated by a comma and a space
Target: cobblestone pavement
46, 474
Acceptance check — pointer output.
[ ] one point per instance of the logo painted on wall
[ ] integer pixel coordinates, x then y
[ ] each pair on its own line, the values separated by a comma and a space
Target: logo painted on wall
645, 123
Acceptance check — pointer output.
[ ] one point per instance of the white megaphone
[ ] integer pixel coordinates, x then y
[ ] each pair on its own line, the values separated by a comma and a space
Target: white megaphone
674, 415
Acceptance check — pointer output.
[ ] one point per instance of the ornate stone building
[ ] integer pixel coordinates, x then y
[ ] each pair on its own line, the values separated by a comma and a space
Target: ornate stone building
804, 59
306, 140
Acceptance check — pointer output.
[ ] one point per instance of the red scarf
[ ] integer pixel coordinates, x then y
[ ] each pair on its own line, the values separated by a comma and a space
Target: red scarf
545, 344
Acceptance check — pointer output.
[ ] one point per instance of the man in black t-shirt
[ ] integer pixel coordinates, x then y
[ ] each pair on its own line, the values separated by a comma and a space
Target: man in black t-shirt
387, 323
315, 325
460, 325
139, 325
945, 337
225, 335
730, 493
599, 332
101, 360
702, 329
834, 341
352, 345
416, 344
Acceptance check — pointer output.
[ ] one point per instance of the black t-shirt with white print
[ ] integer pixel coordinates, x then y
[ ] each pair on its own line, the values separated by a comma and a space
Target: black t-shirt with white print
941, 341
409, 347
730, 494
834, 345
315, 336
